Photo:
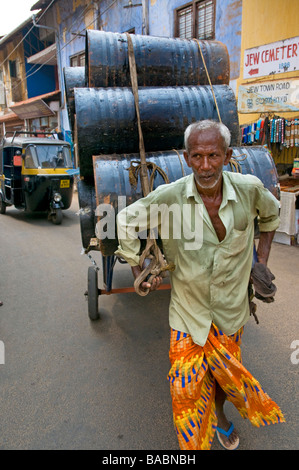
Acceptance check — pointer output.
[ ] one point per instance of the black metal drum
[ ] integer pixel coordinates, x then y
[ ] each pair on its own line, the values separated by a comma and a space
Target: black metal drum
74, 77
112, 180
106, 118
160, 61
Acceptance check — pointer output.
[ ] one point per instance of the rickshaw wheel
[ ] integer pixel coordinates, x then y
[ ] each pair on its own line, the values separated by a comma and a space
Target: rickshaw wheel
93, 293
57, 217
2, 206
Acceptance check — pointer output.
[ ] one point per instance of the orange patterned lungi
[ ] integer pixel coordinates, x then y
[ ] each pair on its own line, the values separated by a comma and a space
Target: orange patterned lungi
192, 385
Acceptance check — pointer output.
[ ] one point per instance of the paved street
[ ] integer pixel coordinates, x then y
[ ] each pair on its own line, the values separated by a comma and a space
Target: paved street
69, 383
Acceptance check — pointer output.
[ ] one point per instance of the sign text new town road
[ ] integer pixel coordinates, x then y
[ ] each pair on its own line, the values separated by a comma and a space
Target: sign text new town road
269, 96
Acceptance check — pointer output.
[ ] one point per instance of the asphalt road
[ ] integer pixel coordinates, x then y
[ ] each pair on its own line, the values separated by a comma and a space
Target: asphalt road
69, 383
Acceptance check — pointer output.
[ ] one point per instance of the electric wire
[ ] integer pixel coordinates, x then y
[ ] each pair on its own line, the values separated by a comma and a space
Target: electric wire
34, 67
65, 45
24, 37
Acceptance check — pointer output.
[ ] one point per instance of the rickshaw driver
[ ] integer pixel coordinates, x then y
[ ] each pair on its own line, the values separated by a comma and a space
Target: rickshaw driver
59, 160
208, 312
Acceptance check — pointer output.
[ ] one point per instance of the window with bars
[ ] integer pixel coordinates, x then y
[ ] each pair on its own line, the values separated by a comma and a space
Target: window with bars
196, 20
78, 60
13, 68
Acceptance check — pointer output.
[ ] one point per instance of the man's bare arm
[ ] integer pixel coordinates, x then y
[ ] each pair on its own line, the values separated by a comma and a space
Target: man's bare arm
264, 246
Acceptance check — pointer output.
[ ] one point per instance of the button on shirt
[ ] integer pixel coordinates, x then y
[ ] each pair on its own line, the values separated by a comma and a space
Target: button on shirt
210, 280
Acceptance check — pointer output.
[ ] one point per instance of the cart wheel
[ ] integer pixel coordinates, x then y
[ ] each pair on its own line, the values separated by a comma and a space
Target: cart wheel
57, 217
93, 293
2, 206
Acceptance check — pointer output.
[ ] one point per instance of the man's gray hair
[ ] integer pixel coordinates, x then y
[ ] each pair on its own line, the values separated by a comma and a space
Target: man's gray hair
208, 124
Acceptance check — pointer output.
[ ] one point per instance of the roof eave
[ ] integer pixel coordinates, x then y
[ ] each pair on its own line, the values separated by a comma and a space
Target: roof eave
41, 4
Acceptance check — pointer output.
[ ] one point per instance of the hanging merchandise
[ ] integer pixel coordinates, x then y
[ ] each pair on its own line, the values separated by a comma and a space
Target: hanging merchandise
266, 139
295, 170
287, 133
271, 131
292, 140
277, 130
291, 133
259, 130
251, 133
248, 134
296, 132
282, 131
244, 135
254, 133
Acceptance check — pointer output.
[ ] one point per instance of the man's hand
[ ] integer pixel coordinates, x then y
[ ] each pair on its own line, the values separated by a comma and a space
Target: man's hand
261, 276
157, 281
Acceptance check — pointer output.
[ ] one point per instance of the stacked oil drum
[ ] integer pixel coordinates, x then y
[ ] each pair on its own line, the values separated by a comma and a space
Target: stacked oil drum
174, 90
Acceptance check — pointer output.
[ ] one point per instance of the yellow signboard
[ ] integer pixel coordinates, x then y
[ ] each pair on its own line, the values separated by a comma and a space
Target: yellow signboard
65, 183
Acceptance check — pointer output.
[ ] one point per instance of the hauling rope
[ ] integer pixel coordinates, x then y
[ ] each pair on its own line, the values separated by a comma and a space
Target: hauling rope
234, 164
135, 168
158, 265
235, 167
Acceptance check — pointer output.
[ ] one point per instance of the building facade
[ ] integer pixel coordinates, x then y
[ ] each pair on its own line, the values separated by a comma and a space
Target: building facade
268, 85
21, 81
57, 40
261, 38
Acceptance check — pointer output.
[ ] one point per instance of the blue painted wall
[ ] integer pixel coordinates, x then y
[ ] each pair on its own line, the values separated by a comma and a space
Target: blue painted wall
115, 17
228, 22
43, 81
120, 19
228, 31
228, 25
70, 22
161, 16
71, 18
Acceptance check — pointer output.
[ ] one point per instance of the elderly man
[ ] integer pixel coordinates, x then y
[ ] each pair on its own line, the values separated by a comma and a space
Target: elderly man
209, 303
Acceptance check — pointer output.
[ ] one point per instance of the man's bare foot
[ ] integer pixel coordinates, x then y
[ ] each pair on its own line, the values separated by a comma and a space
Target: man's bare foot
227, 434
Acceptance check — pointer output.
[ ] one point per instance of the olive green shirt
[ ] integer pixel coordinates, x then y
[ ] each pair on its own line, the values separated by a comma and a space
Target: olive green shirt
210, 280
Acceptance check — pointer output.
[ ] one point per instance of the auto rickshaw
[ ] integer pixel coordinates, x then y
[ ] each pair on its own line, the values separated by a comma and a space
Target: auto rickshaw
36, 175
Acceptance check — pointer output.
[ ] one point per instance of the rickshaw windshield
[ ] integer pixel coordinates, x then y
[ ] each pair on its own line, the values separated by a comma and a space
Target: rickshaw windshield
50, 156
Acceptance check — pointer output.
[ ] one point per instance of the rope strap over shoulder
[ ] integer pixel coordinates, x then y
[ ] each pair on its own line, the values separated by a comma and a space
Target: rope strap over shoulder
233, 162
208, 76
157, 265
134, 82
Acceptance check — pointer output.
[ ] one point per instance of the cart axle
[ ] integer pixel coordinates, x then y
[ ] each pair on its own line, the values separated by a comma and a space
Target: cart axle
128, 289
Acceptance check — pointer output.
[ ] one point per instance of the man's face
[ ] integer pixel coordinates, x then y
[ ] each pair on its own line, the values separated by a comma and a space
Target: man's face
207, 157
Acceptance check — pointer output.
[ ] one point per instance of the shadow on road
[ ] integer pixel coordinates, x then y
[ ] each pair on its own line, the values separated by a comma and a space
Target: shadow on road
40, 218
